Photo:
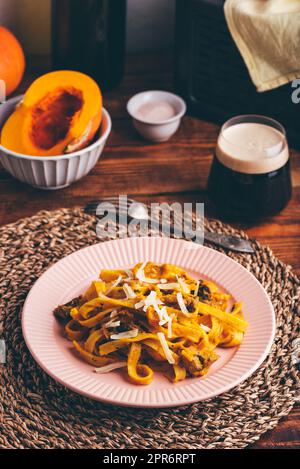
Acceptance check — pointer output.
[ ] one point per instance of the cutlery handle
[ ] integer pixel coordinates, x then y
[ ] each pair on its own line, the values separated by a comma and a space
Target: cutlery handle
221, 239
225, 241
234, 243
230, 242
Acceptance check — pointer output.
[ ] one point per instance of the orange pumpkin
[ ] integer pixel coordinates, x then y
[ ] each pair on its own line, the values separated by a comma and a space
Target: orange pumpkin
12, 60
60, 112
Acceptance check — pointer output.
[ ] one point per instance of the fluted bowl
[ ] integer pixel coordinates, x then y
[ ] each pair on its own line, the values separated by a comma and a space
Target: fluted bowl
52, 172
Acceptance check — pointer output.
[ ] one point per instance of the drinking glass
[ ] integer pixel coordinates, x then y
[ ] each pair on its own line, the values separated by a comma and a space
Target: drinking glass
250, 174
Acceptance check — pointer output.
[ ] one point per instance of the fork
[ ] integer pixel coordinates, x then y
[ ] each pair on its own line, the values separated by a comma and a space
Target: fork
138, 211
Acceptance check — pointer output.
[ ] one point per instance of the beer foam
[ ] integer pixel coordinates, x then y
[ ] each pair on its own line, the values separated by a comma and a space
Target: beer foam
252, 148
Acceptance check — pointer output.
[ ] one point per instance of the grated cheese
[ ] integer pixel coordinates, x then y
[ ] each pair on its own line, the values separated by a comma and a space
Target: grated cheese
151, 300
197, 288
140, 275
110, 367
112, 324
163, 316
125, 335
128, 291
182, 305
167, 351
147, 301
113, 314
139, 305
183, 285
170, 332
115, 284
128, 273
205, 328
168, 286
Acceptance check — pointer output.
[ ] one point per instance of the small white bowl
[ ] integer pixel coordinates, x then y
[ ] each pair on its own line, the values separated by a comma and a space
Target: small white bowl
156, 131
52, 172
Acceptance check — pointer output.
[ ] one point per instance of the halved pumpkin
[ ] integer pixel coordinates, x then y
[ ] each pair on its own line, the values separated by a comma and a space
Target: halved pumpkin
60, 112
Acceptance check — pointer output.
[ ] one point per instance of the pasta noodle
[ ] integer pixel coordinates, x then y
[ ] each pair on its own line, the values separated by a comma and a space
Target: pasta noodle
152, 317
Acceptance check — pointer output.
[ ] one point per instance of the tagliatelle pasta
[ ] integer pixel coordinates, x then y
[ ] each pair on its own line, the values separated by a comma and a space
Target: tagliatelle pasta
152, 317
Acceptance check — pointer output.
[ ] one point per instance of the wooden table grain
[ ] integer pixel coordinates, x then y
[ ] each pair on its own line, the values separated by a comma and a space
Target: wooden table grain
176, 170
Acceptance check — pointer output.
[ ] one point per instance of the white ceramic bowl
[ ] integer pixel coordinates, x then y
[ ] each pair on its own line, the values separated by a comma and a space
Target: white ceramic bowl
156, 131
52, 172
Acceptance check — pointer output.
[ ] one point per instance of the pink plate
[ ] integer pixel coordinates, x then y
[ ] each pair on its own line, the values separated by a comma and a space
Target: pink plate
70, 276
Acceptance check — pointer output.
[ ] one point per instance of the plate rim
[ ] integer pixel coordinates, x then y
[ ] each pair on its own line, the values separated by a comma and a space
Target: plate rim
168, 404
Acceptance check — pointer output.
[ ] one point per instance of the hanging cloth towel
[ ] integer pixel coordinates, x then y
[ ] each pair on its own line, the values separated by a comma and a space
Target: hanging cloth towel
267, 34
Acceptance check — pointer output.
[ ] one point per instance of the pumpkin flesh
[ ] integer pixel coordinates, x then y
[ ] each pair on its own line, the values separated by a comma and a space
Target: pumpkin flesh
66, 116
52, 117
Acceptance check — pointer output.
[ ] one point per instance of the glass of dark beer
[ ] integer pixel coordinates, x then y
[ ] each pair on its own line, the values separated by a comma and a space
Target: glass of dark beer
250, 174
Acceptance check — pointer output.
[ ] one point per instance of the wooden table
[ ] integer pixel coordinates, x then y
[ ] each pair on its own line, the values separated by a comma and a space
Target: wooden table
173, 171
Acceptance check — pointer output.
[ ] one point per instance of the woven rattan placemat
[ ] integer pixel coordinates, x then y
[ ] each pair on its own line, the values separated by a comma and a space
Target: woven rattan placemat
37, 412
